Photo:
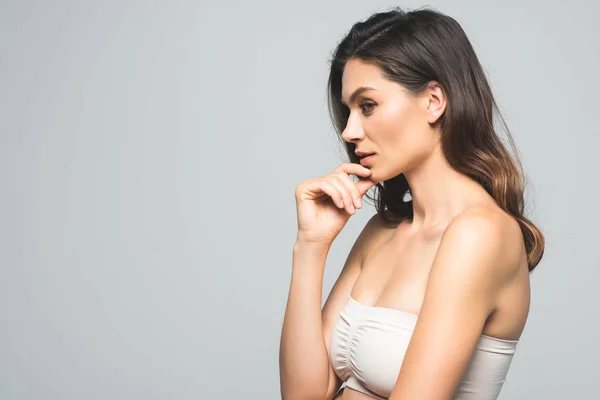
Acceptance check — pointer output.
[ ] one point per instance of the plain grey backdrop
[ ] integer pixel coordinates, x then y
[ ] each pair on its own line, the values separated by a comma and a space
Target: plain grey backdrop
149, 153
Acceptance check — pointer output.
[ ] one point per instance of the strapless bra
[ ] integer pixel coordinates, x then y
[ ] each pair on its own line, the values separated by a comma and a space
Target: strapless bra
368, 344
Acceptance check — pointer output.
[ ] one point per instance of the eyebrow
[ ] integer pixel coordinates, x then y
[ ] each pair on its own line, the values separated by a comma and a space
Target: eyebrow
356, 93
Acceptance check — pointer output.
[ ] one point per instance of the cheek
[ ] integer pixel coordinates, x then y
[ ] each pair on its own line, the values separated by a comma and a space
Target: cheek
404, 139
400, 127
389, 125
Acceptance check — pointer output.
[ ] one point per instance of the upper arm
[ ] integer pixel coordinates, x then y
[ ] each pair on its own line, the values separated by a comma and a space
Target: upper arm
338, 297
474, 260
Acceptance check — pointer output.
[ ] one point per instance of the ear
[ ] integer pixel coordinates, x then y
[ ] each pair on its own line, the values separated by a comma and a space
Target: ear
436, 99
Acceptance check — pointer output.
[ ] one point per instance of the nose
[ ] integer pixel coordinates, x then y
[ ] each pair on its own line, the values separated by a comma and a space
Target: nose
353, 130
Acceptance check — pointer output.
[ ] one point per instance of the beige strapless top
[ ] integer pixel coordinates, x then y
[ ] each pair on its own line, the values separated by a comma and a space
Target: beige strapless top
368, 345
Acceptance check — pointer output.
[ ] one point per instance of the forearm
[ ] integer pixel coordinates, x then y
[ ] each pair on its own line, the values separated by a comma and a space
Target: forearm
303, 358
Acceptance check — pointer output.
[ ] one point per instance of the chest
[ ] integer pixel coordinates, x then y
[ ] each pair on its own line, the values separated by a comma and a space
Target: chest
395, 271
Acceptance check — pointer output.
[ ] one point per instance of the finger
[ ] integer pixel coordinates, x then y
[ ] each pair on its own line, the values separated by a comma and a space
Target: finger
353, 169
352, 187
344, 192
364, 185
330, 190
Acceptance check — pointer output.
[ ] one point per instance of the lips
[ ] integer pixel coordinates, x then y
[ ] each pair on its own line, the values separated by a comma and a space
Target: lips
366, 160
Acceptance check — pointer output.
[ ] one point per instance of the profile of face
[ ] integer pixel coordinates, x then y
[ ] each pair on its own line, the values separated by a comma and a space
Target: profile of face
388, 120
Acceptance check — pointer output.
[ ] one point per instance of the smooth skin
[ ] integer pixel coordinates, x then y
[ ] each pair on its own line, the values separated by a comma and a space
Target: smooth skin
460, 264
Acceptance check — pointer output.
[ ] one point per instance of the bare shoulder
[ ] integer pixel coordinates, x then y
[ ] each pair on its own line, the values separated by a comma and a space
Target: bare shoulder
493, 216
375, 231
376, 223
492, 226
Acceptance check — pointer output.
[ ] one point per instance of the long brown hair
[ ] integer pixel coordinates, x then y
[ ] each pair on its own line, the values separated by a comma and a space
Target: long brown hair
414, 48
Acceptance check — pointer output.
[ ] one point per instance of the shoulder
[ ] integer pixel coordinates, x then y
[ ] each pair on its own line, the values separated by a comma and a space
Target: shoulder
372, 234
482, 217
374, 228
496, 224
487, 233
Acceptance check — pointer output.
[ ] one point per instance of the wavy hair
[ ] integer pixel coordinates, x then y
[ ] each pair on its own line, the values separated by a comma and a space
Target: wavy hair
413, 48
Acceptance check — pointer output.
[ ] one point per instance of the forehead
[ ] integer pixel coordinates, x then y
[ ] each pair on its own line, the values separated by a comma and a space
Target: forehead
358, 73
356, 68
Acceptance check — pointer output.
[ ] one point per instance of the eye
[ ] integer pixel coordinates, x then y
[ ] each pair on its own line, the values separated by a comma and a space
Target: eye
368, 105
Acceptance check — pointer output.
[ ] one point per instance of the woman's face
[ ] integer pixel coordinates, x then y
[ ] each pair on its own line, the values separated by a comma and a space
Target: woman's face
387, 121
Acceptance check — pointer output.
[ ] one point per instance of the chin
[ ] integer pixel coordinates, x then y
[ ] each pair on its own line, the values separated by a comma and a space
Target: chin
380, 177
375, 177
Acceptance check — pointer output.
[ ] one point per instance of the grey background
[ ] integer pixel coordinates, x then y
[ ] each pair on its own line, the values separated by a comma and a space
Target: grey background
149, 153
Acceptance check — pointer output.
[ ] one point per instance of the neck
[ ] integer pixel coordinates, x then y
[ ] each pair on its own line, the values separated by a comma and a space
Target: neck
439, 192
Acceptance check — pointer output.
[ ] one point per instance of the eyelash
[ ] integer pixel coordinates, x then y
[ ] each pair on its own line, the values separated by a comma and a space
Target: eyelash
367, 104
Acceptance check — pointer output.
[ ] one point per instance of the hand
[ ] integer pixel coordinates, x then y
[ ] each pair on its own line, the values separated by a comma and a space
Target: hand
325, 204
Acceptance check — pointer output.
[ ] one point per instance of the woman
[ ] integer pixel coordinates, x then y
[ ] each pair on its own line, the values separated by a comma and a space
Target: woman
434, 294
